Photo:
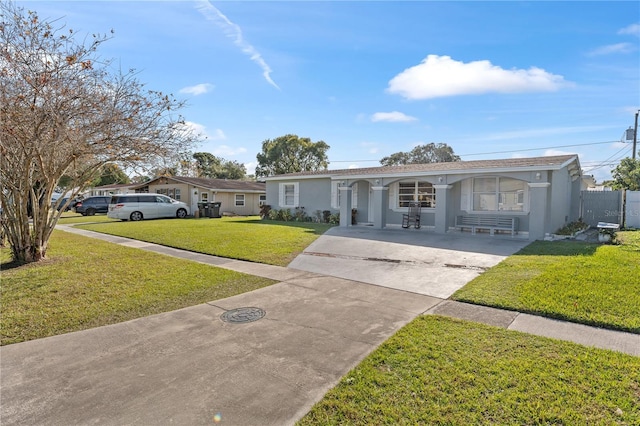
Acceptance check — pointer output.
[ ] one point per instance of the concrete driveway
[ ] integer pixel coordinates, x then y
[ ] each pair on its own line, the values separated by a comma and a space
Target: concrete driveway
413, 260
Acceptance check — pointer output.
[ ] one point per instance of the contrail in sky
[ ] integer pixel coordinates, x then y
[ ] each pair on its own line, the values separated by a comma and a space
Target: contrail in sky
234, 31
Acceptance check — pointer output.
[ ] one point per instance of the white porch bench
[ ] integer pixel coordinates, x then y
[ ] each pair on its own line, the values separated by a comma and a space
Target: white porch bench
492, 223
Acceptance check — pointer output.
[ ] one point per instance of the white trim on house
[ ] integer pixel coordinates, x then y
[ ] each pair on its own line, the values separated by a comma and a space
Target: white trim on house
335, 195
284, 197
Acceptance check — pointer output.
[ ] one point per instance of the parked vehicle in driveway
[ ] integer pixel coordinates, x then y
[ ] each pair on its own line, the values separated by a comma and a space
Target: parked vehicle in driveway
92, 205
145, 206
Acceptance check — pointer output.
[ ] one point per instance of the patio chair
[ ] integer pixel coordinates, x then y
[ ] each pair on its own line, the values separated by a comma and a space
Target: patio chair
412, 217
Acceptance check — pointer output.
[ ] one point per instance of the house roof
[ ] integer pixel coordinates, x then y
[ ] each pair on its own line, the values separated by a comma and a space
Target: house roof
117, 186
222, 185
509, 164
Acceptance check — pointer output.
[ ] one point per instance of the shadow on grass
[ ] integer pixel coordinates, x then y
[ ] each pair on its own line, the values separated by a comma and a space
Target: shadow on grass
312, 227
11, 264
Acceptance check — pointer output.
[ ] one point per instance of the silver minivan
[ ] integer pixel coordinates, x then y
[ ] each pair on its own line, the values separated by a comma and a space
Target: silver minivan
145, 206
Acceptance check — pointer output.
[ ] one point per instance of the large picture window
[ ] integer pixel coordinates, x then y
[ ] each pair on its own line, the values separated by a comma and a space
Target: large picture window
498, 194
424, 192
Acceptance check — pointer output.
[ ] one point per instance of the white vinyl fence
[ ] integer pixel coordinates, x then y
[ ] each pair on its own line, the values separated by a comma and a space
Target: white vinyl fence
632, 210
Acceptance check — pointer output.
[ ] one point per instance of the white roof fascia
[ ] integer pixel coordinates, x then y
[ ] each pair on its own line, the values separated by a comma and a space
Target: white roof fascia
288, 177
486, 170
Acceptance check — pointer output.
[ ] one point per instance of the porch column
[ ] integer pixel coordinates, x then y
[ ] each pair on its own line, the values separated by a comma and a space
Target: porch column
538, 211
380, 206
442, 208
345, 205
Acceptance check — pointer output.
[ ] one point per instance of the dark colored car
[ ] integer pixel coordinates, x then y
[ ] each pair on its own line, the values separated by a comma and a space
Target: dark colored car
92, 205
61, 202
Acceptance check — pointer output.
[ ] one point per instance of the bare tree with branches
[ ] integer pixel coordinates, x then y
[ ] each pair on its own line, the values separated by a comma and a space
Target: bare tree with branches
65, 112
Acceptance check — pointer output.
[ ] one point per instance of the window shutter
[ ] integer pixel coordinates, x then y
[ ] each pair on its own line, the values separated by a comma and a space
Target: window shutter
281, 195
296, 195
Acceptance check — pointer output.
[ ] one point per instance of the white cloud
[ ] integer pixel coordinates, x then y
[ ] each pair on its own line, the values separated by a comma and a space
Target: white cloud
234, 32
251, 167
633, 29
371, 147
393, 117
553, 152
613, 48
201, 130
198, 89
440, 76
228, 151
218, 135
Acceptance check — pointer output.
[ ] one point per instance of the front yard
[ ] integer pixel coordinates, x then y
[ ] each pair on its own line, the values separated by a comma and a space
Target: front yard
87, 283
252, 239
435, 370
443, 371
593, 284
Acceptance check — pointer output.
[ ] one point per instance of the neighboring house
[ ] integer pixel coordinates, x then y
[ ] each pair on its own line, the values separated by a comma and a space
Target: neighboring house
237, 197
541, 193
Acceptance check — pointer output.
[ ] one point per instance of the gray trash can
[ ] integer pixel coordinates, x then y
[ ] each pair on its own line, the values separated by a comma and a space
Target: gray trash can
204, 212
214, 211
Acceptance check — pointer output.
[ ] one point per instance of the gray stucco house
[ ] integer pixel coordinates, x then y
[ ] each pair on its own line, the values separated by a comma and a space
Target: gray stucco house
539, 195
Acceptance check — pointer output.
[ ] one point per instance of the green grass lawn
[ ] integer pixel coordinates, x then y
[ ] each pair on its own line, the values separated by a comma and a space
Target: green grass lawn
68, 218
441, 371
244, 238
588, 283
86, 283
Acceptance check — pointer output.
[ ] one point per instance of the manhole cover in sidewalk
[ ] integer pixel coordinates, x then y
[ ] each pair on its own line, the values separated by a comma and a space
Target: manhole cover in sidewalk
242, 315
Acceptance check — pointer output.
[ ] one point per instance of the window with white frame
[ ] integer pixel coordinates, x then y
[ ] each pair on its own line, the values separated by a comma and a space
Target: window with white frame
289, 195
204, 197
263, 199
498, 194
177, 194
335, 195
424, 192
239, 200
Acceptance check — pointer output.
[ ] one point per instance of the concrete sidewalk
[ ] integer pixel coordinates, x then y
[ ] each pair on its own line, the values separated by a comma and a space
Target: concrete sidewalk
191, 367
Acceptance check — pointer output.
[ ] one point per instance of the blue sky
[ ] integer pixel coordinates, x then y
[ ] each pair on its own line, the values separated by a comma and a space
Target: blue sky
490, 79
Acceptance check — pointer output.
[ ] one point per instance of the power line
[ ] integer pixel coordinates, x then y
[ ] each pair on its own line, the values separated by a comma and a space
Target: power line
609, 160
536, 149
498, 152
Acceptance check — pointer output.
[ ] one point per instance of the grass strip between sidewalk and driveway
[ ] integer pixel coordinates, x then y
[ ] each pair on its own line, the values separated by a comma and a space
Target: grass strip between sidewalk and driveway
243, 238
595, 284
86, 283
442, 371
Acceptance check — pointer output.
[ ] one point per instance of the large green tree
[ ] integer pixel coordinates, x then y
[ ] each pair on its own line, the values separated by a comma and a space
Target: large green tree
291, 154
626, 175
422, 154
112, 174
65, 111
210, 166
